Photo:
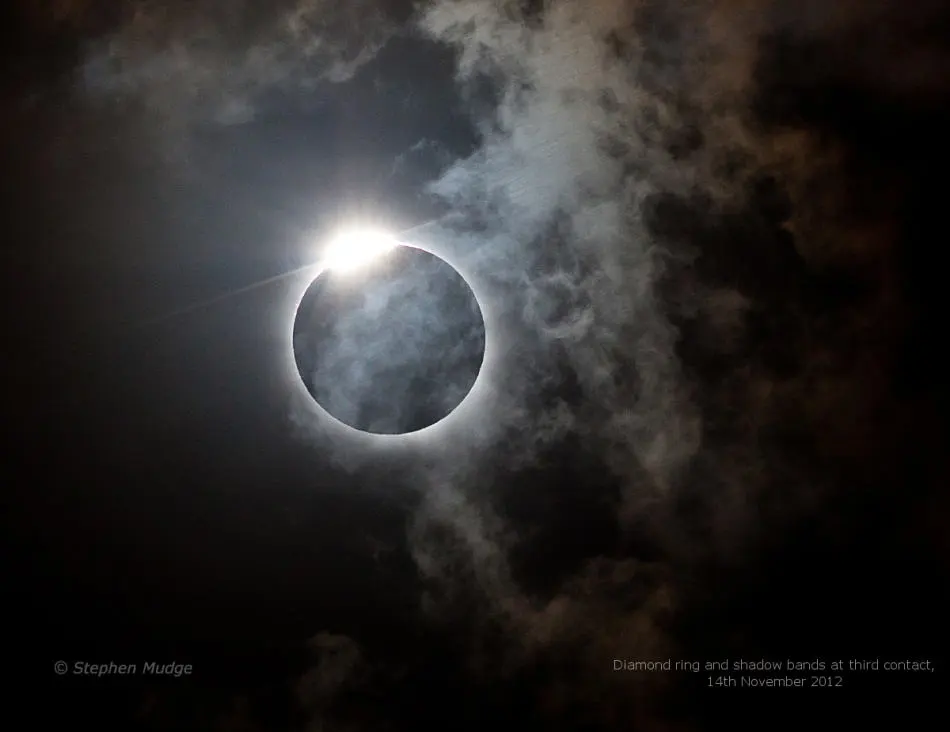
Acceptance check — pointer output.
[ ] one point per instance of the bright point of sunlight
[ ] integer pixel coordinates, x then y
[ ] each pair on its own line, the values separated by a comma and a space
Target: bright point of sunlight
353, 249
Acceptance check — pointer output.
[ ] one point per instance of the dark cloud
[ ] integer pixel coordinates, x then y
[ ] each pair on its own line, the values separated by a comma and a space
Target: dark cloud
719, 284
212, 60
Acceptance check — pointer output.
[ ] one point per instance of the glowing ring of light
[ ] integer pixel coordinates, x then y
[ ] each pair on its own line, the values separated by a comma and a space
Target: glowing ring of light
354, 249
333, 426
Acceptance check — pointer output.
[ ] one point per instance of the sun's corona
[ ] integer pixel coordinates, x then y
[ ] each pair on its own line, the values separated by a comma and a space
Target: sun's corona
401, 350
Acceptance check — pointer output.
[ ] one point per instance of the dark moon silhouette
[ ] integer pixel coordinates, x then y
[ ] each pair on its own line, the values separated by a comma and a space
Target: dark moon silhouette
392, 347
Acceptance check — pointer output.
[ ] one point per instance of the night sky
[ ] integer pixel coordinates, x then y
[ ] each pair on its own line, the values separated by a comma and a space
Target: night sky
706, 239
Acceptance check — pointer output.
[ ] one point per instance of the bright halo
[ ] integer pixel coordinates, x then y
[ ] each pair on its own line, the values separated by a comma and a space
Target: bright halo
353, 249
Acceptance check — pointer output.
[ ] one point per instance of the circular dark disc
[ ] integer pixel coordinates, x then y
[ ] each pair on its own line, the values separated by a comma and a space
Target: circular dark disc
393, 347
